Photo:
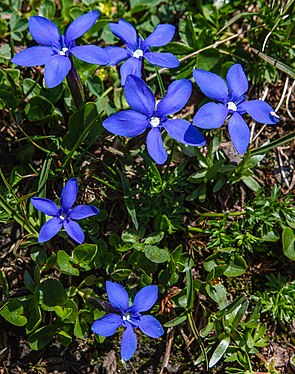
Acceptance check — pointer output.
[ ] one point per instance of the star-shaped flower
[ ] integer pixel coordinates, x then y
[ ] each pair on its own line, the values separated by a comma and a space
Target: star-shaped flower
65, 216
232, 102
55, 49
137, 49
129, 317
146, 115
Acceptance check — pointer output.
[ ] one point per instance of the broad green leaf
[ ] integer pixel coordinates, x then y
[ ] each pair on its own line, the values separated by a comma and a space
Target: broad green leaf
217, 292
52, 294
219, 351
38, 108
13, 312
64, 263
156, 254
251, 183
288, 243
236, 267
41, 337
84, 254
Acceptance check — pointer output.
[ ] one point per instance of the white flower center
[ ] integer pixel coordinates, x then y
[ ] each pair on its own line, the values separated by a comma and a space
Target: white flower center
232, 106
62, 216
138, 53
63, 51
155, 121
126, 317
274, 114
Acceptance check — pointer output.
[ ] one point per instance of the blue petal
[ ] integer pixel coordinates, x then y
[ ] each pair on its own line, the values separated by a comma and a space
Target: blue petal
139, 96
83, 211
239, 133
33, 56
74, 230
211, 85
210, 116
49, 229
45, 206
155, 146
145, 299
91, 54
162, 35
182, 131
150, 326
126, 123
129, 343
165, 60
236, 81
107, 325
131, 66
176, 97
69, 194
80, 26
260, 111
116, 54
56, 70
118, 296
44, 31
124, 31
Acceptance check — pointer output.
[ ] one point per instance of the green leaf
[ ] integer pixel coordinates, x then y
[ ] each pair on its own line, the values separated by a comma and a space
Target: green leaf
154, 238
84, 254
47, 9
38, 108
41, 337
176, 321
78, 122
189, 289
64, 338
278, 64
81, 329
236, 267
288, 243
52, 294
235, 19
65, 264
219, 351
276, 143
34, 318
251, 183
13, 312
156, 254
217, 292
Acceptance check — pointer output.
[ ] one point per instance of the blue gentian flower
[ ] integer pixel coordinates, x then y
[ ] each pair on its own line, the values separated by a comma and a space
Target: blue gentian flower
129, 316
55, 49
65, 216
146, 115
232, 102
137, 49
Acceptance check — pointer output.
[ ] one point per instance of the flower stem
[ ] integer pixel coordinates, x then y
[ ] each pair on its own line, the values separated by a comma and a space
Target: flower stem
75, 86
161, 85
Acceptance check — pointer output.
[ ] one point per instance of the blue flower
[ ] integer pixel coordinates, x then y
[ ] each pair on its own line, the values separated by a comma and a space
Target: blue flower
231, 99
137, 48
55, 49
64, 216
147, 116
129, 316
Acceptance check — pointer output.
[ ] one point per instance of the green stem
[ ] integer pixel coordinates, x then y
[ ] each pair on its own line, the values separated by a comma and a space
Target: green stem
79, 141
160, 81
105, 183
197, 336
76, 86
16, 216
